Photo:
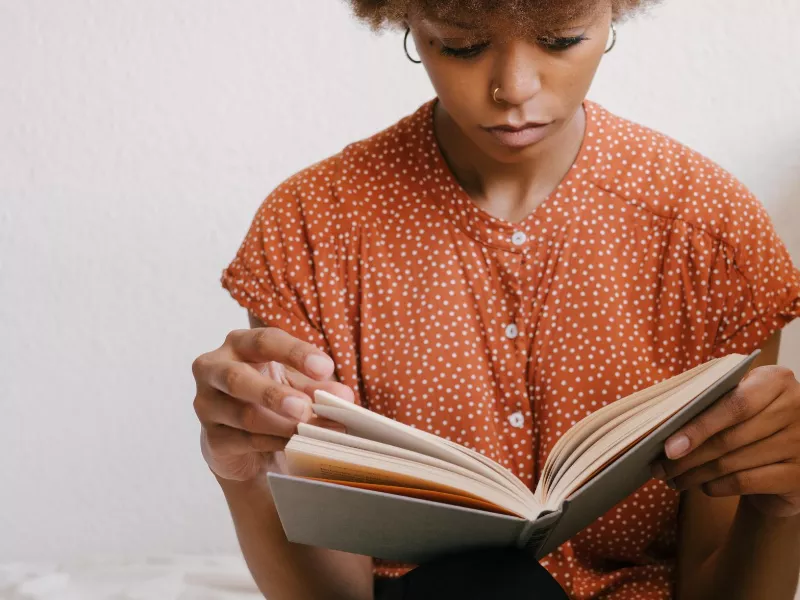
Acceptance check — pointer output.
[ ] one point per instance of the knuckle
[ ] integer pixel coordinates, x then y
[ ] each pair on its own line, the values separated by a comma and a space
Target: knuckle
698, 430
778, 373
721, 466
298, 351
199, 406
787, 376
271, 397
232, 338
249, 417
727, 439
200, 366
262, 339
738, 405
737, 483
231, 379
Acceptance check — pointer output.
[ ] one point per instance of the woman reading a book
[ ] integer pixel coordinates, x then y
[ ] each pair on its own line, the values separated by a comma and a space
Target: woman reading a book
493, 268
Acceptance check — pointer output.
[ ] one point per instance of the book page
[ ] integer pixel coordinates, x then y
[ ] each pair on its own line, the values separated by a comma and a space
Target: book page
351, 441
618, 441
307, 457
572, 453
605, 450
574, 437
499, 469
615, 427
364, 423
431, 495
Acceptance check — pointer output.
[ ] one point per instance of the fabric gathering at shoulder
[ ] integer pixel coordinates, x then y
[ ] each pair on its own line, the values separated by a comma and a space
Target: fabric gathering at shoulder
753, 287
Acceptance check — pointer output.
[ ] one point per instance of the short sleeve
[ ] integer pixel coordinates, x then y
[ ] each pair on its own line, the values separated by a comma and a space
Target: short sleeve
754, 286
272, 273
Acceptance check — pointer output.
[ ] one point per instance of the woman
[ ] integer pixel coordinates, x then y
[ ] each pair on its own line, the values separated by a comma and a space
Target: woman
493, 268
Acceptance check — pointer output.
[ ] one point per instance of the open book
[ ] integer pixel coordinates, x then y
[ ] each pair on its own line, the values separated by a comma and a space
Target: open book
387, 490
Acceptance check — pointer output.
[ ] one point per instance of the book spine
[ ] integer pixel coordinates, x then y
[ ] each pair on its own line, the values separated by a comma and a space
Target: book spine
536, 532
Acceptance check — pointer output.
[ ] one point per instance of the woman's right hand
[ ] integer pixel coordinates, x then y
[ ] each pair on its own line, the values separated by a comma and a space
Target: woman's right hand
252, 392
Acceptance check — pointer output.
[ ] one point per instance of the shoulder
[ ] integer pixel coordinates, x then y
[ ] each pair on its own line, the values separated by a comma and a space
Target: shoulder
656, 173
342, 184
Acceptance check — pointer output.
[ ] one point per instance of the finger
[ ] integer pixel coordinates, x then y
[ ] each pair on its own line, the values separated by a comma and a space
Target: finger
242, 381
775, 449
274, 370
768, 422
750, 397
217, 408
782, 478
227, 441
272, 344
308, 386
327, 424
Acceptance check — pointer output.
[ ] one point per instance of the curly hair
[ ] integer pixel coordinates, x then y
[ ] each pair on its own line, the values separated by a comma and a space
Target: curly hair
525, 15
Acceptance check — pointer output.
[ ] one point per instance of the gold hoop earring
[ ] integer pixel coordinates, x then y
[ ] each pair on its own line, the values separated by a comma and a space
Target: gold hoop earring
613, 39
405, 47
494, 94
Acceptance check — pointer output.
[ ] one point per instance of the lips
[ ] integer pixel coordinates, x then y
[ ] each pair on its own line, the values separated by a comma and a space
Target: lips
513, 128
519, 136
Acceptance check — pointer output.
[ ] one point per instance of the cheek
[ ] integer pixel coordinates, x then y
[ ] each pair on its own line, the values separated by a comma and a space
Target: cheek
463, 91
572, 83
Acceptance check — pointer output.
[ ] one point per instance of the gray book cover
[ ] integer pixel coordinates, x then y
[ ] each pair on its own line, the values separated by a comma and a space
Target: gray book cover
414, 531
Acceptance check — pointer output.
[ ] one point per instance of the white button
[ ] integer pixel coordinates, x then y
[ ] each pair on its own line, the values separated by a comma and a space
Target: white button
512, 331
519, 238
517, 419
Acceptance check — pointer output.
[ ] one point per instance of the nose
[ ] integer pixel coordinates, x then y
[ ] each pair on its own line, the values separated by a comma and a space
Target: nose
517, 72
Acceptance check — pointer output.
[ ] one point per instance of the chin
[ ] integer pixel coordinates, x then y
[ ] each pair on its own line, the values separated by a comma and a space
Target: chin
510, 156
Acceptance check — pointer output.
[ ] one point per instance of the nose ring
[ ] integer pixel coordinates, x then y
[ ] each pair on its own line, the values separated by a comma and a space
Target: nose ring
494, 94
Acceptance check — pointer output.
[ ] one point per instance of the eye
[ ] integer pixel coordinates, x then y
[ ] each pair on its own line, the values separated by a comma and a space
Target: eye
559, 44
466, 52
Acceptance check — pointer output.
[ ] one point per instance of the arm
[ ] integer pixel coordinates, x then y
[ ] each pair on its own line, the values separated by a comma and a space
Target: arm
729, 549
286, 571
251, 394
281, 569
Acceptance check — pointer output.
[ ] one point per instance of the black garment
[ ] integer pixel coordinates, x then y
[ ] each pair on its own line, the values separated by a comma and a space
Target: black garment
477, 575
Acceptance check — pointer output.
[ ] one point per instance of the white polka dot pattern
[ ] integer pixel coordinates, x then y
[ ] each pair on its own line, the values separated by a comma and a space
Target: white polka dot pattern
647, 260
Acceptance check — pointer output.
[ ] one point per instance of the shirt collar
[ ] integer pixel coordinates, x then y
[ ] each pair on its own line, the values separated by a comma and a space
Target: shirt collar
546, 220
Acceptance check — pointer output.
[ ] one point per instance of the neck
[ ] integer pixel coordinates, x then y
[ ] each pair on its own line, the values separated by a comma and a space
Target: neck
509, 191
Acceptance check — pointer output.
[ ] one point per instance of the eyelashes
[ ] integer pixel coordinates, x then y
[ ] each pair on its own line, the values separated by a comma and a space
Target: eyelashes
553, 44
559, 44
467, 52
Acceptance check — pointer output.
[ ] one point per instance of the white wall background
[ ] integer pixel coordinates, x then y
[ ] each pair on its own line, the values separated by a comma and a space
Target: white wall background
137, 138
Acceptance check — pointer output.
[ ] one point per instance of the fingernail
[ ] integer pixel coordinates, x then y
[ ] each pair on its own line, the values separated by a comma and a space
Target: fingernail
658, 472
677, 447
319, 364
295, 407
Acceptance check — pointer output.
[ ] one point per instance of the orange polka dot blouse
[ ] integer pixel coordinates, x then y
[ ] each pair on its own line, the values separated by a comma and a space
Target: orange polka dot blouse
647, 260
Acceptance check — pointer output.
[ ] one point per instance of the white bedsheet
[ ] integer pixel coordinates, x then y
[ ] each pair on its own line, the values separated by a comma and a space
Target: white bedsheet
152, 578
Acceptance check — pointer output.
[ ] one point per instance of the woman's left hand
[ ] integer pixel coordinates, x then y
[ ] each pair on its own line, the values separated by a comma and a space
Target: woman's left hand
746, 444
